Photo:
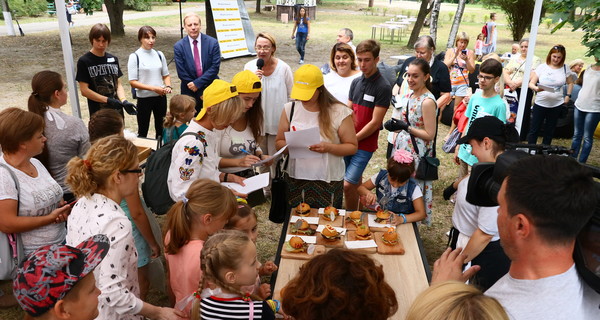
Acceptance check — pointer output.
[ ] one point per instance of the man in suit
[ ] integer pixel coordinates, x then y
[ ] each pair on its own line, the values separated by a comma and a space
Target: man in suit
197, 58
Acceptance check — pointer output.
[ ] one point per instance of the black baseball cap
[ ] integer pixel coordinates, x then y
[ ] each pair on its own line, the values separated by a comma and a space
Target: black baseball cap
491, 127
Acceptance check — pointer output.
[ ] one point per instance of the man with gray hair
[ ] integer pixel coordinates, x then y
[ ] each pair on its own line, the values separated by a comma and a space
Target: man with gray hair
345, 35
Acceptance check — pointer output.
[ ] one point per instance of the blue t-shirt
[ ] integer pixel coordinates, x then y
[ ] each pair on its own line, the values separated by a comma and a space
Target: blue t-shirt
302, 26
480, 107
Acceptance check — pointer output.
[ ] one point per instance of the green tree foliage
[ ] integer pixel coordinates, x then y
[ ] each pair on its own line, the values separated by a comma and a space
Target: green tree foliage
89, 6
30, 8
138, 5
565, 11
518, 13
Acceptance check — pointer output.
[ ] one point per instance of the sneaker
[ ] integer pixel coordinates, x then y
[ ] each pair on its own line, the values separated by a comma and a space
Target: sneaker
301, 61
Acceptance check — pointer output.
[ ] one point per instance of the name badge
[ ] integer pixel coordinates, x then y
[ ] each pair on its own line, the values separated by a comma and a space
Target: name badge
110, 60
369, 98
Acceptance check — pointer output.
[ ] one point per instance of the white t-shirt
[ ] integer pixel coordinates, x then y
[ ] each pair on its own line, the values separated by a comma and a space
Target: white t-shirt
589, 95
116, 276
192, 159
417, 193
37, 197
467, 218
152, 68
560, 297
555, 78
276, 90
328, 167
231, 143
339, 86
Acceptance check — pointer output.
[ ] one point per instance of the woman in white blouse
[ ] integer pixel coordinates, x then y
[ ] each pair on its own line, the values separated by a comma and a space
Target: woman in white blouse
110, 172
323, 175
343, 65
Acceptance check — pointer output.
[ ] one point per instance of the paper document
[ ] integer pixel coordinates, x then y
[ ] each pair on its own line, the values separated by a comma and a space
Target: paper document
307, 239
360, 244
548, 89
251, 184
274, 157
309, 220
299, 141
342, 231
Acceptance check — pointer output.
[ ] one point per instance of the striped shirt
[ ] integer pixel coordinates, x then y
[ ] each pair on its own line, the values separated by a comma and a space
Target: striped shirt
215, 308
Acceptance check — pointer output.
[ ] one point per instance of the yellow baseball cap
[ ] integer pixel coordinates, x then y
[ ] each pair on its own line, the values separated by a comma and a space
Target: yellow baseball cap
247, 82
217, 92
306, 80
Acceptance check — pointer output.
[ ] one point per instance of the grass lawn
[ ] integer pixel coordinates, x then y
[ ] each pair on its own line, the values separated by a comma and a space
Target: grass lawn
20, 58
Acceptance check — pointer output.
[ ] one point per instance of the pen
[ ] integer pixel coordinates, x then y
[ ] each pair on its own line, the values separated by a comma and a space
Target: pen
245, 151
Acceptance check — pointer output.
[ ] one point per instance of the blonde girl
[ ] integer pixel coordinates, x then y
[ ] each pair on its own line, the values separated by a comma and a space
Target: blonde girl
181, 111
109, 173
246, 221
229, 263
204, 210
479, 44
195, 156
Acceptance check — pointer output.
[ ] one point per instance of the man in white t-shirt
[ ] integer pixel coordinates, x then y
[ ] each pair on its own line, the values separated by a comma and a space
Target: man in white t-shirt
544, 203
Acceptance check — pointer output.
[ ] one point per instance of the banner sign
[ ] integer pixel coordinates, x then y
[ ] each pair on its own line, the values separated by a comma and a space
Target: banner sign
230, 29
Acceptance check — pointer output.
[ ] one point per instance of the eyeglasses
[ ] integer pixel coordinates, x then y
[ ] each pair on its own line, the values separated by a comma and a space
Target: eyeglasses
138, 171
262, 48
486, 78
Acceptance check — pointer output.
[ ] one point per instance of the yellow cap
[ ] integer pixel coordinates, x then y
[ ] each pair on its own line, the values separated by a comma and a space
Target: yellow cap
306, 80
247, 82
217, 92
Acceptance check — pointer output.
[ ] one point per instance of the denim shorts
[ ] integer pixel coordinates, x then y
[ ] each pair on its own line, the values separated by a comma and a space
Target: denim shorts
355, 165
460, 90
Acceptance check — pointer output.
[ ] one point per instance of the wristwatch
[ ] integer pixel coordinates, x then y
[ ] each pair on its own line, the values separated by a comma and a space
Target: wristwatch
568, 95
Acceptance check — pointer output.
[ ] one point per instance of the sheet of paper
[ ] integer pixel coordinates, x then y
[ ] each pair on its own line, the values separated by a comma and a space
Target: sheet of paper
251, 184
549, 89
360, 244
342, 231
307, 239
299, 141
342, 212
374, 224
274, 157
310, 220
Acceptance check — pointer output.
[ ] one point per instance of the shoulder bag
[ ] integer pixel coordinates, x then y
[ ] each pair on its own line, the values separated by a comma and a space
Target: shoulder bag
11, 248
427, 170
280, 206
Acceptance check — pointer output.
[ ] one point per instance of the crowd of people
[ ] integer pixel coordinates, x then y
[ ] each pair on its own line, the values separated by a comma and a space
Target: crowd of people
71, 194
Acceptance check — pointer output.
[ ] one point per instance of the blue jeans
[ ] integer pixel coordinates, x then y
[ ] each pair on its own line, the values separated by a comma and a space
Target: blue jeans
537, 118
355, 165
301, 43
585, 126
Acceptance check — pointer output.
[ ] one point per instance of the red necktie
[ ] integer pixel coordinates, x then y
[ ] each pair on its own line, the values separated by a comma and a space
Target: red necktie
197, 59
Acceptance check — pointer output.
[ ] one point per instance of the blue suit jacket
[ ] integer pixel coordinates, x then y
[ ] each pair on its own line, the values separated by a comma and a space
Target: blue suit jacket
186, 69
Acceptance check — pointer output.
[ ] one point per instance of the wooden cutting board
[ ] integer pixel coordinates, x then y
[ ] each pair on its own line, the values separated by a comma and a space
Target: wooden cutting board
303, 255
349, 224
310, 226
330, 244
383, 248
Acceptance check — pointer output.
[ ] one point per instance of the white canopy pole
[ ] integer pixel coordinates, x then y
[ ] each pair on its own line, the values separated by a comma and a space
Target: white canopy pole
65, 39
10, 29
535, 22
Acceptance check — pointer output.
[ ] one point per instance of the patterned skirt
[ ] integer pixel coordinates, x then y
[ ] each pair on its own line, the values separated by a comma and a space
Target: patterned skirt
317, 193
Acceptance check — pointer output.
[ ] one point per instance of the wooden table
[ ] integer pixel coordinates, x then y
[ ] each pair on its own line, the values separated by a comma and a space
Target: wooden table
407, 274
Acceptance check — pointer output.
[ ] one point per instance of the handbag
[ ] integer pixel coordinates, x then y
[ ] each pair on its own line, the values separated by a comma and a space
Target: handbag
460, 118
427, 170
512, 103
11, 248
280, 205
450, 144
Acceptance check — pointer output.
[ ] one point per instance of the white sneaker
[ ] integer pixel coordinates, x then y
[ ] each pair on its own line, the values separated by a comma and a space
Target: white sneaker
301, 61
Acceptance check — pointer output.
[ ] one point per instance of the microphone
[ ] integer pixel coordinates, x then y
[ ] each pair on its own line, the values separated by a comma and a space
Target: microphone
260, 63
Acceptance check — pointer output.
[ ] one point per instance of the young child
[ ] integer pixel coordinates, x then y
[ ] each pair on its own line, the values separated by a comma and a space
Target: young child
181, 111
228, 264
484, 102
203, 211
57, 281
479, 44
395, 190
246, 221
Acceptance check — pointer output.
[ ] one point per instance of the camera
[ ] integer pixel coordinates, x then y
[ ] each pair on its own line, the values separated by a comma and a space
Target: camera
486, 179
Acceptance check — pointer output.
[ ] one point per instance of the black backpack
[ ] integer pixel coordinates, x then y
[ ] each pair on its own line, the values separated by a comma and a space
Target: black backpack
154, 188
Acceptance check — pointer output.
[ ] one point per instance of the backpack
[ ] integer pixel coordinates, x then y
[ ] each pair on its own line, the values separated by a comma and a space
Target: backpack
154, 188
484, 31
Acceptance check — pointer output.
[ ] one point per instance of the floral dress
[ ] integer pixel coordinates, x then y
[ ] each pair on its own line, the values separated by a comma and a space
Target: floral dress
403, 140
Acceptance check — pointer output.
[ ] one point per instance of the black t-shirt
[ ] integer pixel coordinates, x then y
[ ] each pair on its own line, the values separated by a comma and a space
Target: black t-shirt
439, 73
101, 74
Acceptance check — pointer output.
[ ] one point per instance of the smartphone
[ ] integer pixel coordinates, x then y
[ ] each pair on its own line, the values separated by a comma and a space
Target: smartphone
464, 52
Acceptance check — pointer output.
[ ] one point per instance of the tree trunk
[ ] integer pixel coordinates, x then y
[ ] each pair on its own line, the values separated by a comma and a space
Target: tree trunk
210, 21
257, 6
423, 12
371, 3
456, 23
435, 15
114, 9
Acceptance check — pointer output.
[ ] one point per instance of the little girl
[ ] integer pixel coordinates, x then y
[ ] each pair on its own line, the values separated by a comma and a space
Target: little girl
228, 264
181, 111
203, 211
396, 191
479, 44
246, 221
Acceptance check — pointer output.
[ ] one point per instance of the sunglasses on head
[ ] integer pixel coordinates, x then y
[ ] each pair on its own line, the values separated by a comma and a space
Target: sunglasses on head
558, 47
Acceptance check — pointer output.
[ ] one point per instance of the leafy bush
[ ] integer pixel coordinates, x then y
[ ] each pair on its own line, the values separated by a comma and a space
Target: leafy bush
31, 8
89, 6
138, 5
